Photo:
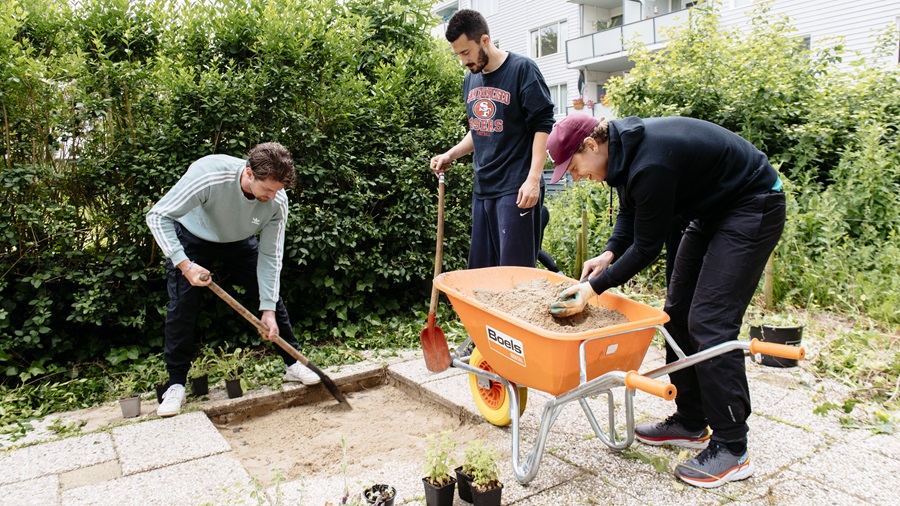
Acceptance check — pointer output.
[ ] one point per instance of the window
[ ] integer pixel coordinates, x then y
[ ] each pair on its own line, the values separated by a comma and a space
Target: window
486, 7
548, 39
559, 95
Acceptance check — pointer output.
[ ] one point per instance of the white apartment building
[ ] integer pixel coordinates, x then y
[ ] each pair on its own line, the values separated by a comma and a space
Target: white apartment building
578, 44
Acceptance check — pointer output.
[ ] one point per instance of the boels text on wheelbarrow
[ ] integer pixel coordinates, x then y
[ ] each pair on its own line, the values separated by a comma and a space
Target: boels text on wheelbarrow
512, 355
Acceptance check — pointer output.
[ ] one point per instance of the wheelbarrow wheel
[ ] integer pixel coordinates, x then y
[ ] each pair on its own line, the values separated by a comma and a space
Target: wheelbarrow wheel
493, 402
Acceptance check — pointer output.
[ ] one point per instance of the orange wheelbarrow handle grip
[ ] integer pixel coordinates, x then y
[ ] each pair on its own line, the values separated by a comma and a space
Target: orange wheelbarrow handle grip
635, 381
777, 350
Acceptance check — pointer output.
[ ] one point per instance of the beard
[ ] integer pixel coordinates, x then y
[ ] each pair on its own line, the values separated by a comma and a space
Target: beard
481, 63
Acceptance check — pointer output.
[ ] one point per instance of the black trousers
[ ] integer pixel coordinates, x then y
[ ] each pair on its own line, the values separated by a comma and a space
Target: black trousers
238, 260
716, 272
503, 234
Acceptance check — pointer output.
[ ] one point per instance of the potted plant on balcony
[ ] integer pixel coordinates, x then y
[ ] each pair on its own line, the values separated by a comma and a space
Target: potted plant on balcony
589, 103
578, 102
438, 483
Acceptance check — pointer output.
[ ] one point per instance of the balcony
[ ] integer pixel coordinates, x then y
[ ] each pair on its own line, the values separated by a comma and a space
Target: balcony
604, 51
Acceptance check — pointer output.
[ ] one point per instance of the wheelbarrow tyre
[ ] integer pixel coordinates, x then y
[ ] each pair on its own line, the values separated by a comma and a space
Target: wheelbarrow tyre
493, 402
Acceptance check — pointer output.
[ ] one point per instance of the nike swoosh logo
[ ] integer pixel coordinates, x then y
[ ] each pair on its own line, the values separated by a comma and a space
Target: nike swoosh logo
526, 212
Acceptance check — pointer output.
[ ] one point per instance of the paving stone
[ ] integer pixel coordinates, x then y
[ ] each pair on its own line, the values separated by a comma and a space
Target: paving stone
866, 475
97, 473
55, 457
37, 492
167, 441
212, 480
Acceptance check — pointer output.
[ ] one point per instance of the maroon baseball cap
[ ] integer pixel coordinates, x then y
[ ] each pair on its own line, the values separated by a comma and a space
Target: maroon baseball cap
564, 140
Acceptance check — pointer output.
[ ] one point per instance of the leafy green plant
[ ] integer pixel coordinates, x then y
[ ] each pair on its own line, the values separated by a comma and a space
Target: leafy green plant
231, 363
128, 384
480, 462
203, 364
438, 461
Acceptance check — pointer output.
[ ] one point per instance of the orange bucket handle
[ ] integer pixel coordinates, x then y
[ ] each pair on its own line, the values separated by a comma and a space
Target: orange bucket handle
777, 350
635, 381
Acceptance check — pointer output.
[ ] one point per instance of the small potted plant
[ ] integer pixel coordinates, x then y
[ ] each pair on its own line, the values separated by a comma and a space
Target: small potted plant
438, 483
589, 103
481, 461
198, 375
230, 364
160, 378
578, 102
380, 495
130, 398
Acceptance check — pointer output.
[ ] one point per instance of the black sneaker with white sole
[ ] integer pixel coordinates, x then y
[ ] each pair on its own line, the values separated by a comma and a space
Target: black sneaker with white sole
671, 432
715, 466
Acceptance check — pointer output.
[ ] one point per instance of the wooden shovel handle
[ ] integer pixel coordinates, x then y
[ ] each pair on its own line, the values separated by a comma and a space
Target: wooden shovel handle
439, 251
250, 317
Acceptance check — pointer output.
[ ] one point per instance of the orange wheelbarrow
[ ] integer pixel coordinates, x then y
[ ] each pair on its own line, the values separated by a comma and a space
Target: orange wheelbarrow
512, 355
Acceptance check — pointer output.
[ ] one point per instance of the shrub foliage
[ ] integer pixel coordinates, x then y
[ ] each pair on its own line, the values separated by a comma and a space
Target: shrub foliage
104, 104
832, 131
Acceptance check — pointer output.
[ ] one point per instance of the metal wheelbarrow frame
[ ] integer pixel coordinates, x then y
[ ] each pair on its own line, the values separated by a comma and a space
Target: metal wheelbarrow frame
590, 381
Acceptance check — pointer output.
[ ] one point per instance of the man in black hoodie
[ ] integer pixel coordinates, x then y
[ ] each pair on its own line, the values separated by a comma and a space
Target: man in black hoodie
731, 195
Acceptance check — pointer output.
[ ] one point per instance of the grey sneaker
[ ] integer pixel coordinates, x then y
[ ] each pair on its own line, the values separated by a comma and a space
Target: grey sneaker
671, 432
714, 467
172, 400
300, 373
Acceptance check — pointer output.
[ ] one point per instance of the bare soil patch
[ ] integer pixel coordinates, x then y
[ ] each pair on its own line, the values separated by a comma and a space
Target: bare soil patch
385, 425
531, 300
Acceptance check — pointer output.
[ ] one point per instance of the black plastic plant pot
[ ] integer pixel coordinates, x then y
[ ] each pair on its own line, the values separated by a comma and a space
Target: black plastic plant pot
200, 386
464, 485
790, 336
380, 495
233, 387
439, 496
160, 390
490, 497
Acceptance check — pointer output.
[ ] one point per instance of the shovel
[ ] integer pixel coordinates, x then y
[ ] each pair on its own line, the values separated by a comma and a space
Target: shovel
329, 384
434, 344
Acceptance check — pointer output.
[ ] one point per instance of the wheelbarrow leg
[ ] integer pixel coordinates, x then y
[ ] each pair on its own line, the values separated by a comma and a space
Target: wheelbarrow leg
527, 470
609, 438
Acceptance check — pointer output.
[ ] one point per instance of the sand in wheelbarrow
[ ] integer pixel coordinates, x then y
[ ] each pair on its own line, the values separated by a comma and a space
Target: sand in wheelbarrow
385, 426
531, 300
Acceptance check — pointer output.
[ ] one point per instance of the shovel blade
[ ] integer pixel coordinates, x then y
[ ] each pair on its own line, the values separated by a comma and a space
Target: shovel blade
434, 347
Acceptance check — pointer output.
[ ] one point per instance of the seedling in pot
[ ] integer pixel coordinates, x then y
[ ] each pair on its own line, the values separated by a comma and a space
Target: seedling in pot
438, 482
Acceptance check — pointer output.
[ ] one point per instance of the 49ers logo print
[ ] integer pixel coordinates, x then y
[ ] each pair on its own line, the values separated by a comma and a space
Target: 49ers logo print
484, 109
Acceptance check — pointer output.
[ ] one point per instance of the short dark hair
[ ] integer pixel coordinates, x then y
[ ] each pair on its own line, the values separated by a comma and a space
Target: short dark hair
469, 23
271, 160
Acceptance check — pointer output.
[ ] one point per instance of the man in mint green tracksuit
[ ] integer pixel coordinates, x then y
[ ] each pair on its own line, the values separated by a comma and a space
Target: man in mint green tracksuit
213, 214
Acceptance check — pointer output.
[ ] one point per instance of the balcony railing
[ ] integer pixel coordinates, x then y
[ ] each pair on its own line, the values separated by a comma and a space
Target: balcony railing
612, 41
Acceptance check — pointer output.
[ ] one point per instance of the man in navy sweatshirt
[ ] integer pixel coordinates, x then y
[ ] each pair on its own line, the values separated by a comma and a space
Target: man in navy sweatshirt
510, 116
214, 214
731, 197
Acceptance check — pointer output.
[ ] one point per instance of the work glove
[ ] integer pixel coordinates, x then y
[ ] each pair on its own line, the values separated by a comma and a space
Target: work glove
572, 300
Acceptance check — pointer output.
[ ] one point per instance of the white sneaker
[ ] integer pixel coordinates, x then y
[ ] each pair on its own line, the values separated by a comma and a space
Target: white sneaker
172, 399
301, 373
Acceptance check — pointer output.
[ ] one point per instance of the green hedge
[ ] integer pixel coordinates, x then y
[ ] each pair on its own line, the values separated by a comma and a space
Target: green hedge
105, 104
